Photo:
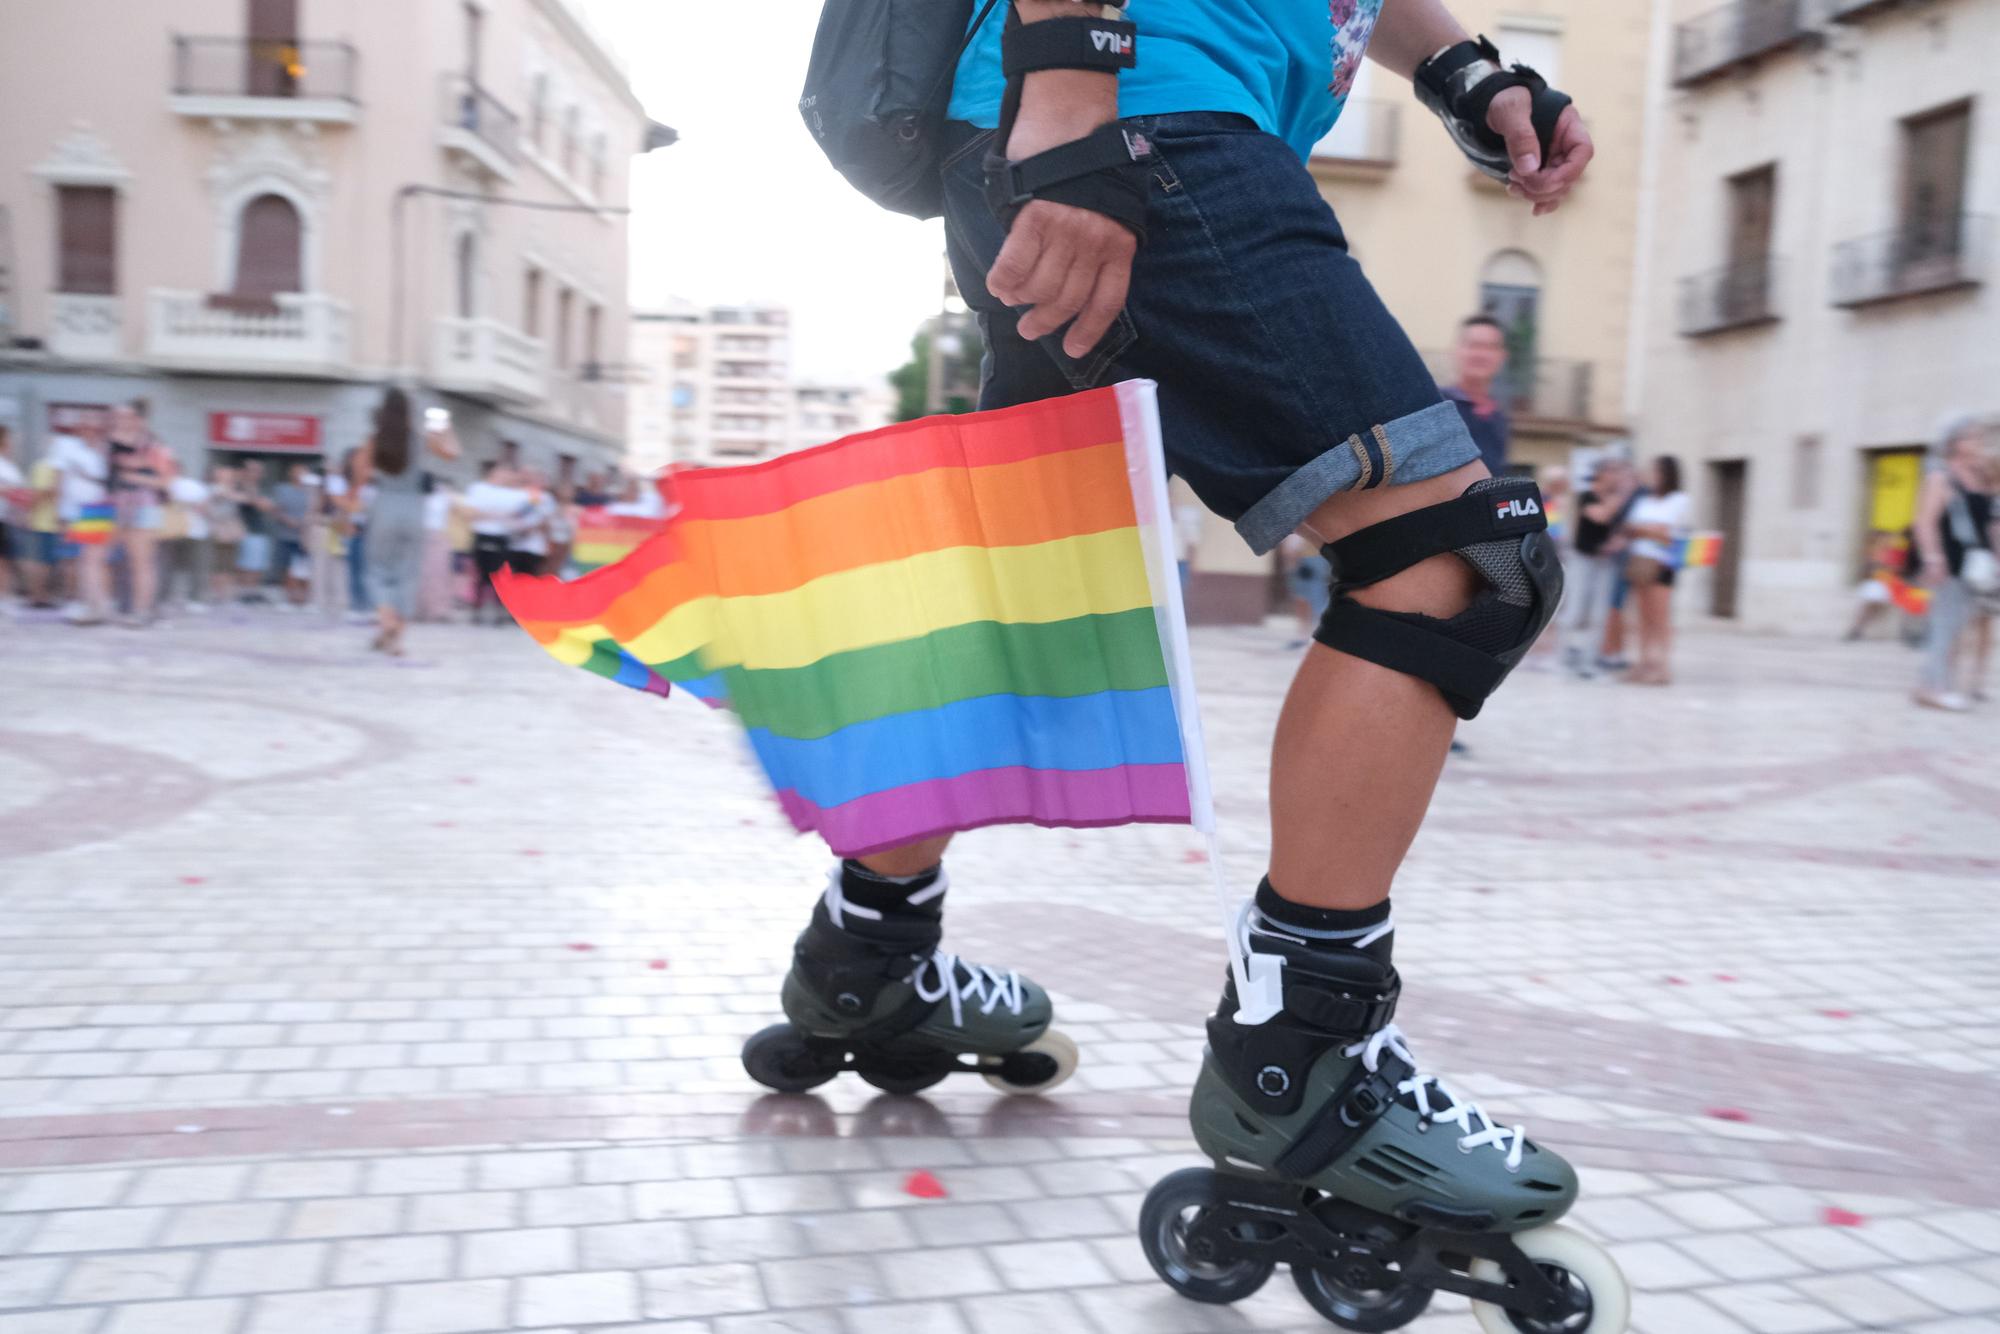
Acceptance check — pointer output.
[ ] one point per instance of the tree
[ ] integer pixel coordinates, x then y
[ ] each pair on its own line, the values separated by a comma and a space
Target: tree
956, 382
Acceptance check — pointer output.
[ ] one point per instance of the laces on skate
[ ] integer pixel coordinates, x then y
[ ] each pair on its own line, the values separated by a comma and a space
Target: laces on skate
941, 975
1462, 1112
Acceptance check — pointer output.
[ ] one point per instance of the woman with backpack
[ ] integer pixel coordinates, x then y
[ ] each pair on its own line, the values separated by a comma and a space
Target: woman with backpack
1956, 539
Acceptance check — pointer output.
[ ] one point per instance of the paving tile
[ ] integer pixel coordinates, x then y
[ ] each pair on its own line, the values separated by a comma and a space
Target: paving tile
583, 1299
701, 1290
141, 1276
462, 1306
96, 1230
546, 1250
283, 1267
372, 1261
1047, 1264
207, 1316
844, 1280
334, 1311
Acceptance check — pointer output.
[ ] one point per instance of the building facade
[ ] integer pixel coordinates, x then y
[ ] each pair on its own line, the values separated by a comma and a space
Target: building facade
1440, 241
258, 213
715, 385
1817, 289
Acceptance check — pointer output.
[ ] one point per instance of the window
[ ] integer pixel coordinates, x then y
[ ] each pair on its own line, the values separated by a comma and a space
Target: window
467, 265
531, 303
564, 300
593, 328
570, 133
538, 113
597, 156
1510, 290
87, 239
1536, 44
1753, 197
1935, 146
269, 242
1805, 472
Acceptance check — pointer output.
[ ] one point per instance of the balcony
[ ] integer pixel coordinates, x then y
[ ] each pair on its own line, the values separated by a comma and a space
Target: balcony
234, 78
1736, 296
1366, 140
1945, 255
477, 129
486, 360
1853, 11
293, 333
84, 328
1724, 38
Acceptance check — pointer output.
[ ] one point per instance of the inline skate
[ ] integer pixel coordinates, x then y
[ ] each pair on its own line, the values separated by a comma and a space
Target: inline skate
870, 991
1377, 1185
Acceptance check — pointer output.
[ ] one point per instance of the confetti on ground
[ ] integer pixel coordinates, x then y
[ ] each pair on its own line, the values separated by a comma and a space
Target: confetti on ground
1729, 1114
1838, 1217
582, 946
924, 1186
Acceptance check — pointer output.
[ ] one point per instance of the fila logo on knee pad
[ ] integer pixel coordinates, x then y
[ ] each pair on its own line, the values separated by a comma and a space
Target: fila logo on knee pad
1516, 509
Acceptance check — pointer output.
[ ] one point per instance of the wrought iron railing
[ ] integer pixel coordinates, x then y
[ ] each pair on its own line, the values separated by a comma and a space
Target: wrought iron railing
1737, 32
1368, 133
1554, 389
469, 107
241, 67
1924, 255
1730, 297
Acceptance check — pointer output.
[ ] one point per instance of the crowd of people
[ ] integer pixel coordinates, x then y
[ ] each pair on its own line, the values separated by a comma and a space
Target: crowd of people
105, 528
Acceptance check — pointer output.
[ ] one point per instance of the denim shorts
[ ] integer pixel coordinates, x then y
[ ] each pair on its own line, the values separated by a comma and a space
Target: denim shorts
1283, 379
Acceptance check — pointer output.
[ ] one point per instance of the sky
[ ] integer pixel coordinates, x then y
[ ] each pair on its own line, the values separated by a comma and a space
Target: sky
744, 207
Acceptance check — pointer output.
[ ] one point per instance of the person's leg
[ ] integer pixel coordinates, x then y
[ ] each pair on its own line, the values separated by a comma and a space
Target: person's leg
93, 580
144, 549
1982, 651
1941, 631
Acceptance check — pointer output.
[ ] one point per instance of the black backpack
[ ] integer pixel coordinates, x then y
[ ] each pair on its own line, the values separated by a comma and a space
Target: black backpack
876, 92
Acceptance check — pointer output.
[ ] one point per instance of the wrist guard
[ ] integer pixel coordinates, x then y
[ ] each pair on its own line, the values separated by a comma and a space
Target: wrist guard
1105, 171
1460, 82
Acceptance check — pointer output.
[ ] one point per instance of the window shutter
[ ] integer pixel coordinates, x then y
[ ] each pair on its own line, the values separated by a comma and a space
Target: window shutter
87, 237
267, 254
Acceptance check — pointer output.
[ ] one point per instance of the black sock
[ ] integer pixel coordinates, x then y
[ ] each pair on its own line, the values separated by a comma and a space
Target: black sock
1336, 928
892, 894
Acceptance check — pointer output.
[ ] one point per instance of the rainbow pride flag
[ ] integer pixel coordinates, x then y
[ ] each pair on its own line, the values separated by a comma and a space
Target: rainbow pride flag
950, 623
94, 526
604, 537
1698, 551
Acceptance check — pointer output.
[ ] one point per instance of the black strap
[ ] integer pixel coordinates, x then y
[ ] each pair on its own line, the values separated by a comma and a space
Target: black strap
1459, 85
1096, 172
1361, 1102
1105, 45
1358, 1015
1402, 642
1370, 555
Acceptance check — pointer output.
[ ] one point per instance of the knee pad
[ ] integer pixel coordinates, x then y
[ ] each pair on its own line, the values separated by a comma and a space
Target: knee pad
1498, 528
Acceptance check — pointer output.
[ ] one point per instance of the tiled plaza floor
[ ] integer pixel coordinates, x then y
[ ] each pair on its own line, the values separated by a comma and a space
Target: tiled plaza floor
341, 995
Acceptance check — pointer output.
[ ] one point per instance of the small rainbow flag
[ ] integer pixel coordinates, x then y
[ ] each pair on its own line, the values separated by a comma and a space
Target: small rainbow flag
1698, 551
94, 526
955, 622
604, 537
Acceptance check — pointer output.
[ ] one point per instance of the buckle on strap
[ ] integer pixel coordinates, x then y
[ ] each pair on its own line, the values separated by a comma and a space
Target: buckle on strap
1361, 1102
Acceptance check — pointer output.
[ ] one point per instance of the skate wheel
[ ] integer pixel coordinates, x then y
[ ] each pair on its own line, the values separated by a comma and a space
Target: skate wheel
1352, 1304
906, 1076
1171, 1207
1032, 1074
1574, 1262
779, 1058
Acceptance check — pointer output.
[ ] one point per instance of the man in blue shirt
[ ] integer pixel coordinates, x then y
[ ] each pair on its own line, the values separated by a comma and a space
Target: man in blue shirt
1125, 195
1478, 359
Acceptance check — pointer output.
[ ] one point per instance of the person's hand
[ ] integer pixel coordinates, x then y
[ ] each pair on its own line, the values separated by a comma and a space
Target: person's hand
1065, 263
1544, 184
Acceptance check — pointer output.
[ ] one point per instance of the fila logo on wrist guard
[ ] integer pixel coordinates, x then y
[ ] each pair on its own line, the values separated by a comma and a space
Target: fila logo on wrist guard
1113, 43
1516, 509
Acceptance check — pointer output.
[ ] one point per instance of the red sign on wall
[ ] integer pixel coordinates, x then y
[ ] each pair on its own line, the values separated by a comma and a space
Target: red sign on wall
264, 432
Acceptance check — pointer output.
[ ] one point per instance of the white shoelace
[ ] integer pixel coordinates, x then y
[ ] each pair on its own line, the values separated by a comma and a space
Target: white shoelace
1462, 1111
936, 977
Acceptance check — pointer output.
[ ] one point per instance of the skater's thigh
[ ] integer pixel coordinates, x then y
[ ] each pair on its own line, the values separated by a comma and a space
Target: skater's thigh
1283, 379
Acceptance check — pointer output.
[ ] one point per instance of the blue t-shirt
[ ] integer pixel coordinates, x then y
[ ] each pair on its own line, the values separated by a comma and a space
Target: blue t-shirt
1286, 64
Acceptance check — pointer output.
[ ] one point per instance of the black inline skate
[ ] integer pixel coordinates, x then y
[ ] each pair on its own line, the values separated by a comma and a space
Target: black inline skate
871, 992
1336, 1156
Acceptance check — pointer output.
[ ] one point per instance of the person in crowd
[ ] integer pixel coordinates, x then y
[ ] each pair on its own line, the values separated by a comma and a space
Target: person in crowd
1596, 558
354, 536
1558, 498
562, 528
225, 531
1957, 542
434, 585
326, 553
185, 544
1986, 608
49, 564
291, 511
140, 469
528, 543
1477, 360
1311, 583
1657, 528
593, 492
388, 472
253, 551
83, 461
496, 503
15, 499
1875, 595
